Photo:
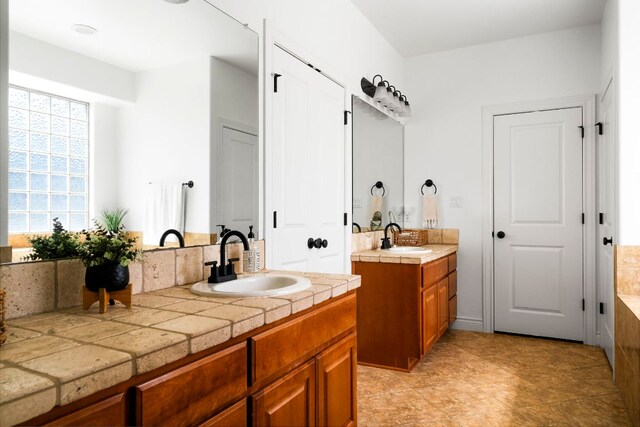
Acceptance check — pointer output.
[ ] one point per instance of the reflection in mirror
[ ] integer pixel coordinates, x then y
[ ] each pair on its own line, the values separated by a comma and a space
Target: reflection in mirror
116, 103
378, 168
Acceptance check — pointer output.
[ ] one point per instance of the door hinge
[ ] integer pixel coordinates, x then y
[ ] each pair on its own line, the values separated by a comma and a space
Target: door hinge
599, 126
601, 308
581, 130
583, 304
345, 219
346, 117
275, 219
275, 81
583, 217
601, 218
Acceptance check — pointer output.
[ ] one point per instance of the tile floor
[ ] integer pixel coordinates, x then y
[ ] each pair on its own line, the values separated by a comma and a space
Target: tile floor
474, 379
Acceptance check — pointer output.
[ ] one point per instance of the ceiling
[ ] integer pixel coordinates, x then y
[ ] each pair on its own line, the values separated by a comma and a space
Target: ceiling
416, 27
138, 35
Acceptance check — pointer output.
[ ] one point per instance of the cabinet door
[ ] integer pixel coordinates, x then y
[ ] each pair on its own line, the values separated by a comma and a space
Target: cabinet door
108, 412
193, 392
235, 416
443, 306
290, 401
453, 309
336, 377
429, 317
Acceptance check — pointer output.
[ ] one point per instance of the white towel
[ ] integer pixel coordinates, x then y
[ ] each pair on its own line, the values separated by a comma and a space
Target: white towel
376, 213
164, 209
429, 211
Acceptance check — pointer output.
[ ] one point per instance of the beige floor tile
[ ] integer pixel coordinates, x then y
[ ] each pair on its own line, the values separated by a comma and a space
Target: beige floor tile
476, 379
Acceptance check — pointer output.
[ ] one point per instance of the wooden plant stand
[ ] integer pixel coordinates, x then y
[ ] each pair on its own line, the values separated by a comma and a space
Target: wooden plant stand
106, 298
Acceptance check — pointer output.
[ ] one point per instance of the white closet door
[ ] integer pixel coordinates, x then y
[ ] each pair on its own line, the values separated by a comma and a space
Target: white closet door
308, 168
538, 207
239, 165
607, 210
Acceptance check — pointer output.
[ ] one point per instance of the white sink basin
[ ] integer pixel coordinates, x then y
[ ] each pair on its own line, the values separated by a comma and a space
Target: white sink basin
253, 286
409, 250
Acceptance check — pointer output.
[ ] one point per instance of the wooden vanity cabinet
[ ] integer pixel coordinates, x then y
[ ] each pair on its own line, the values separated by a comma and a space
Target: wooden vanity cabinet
298, 372
403, 309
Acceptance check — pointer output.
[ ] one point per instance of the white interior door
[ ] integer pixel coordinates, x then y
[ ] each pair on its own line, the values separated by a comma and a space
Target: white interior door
606, 212
239, 165
538, 207
308, 168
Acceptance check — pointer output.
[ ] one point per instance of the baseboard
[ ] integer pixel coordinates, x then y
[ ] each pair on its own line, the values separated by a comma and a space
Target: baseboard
468, 324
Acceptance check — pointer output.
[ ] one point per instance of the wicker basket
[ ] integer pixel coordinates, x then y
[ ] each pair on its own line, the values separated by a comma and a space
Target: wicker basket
411, 237
3, 331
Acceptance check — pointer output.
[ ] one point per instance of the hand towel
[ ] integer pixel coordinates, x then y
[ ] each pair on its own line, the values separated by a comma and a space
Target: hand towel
164, 209
429, 211
376, 213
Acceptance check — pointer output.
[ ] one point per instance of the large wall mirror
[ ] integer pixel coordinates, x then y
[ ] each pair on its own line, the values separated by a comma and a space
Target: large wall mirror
378, 168
115, 104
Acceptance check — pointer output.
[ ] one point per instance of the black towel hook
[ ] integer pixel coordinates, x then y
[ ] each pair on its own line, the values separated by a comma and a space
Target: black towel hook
378, 185
429, 183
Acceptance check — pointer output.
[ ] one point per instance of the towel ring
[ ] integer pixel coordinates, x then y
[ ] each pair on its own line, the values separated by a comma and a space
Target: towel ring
378, 185
429, 183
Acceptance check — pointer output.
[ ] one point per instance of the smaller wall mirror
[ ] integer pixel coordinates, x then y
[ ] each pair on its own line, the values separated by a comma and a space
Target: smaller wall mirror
378, 168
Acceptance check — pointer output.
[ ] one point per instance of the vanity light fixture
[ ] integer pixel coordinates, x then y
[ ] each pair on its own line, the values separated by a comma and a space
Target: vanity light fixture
85, 30
387, 95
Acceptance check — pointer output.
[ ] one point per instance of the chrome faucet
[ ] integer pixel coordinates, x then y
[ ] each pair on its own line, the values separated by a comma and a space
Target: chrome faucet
224, 273
176, 233
386, 242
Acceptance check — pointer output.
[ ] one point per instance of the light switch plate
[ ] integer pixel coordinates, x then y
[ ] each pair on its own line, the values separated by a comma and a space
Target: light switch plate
455, 202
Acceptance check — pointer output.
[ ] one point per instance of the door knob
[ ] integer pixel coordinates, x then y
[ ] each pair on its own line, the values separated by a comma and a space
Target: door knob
317, 243
608, 241
325, 243
500, 234
310, 243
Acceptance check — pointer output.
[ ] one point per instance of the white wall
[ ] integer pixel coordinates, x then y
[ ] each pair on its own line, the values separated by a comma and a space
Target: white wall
4, 121
629, 112
164, 138
334, 31
234, 101
103, 157
69, 69
378, 155
443, 139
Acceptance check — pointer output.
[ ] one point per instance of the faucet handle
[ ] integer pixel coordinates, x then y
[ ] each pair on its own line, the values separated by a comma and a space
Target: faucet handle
214, 271
230, 267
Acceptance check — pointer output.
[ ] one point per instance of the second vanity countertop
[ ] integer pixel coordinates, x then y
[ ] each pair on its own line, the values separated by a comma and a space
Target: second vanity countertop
58, 357
379, 255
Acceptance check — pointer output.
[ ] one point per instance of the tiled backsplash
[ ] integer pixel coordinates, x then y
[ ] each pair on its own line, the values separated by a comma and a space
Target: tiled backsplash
371, 240
41, 286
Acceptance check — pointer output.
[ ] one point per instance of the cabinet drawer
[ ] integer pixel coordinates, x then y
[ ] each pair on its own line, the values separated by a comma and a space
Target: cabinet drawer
453, 309
453, 262
453, 283
301, 338
235, 416
189, 394
108, 412
434, 271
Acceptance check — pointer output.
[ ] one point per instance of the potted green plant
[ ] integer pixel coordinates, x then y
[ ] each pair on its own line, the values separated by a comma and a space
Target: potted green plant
60, 244
107, 252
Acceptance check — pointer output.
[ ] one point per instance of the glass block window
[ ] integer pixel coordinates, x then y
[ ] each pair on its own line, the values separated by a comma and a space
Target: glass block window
48, 161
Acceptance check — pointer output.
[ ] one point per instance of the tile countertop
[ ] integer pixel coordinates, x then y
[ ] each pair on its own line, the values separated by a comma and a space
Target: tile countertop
379, 255
58, 357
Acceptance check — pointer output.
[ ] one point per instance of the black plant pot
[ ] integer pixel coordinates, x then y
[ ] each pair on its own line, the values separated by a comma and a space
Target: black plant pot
111, 276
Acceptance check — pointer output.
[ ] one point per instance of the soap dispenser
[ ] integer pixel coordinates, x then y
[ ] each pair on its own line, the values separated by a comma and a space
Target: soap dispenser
251, 258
